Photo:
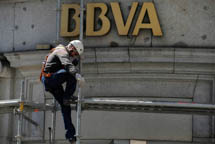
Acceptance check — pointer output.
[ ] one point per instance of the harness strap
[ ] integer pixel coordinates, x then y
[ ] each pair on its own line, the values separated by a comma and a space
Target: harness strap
42, 73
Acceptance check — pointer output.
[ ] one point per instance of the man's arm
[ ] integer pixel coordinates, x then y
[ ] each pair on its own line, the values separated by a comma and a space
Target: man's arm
66, 62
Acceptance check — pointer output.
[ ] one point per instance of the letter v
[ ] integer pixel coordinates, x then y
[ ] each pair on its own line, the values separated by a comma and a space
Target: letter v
121, 27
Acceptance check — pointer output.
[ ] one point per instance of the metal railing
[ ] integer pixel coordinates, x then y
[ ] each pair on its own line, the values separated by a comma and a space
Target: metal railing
19, 107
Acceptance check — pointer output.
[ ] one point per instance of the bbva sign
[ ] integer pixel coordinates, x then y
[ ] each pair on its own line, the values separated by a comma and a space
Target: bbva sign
122, 26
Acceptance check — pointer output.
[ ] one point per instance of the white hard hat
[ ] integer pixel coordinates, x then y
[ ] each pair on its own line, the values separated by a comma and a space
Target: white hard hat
78, 45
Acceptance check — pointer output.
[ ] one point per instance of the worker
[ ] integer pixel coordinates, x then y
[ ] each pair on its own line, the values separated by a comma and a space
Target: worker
61, 67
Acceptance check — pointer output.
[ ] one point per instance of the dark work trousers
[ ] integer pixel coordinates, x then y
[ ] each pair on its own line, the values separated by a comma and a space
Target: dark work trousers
53, 84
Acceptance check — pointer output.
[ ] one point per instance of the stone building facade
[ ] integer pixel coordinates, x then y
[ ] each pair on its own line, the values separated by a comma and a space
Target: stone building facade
177, 66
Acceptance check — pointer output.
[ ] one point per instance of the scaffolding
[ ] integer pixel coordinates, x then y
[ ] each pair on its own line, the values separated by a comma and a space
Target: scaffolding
21, 106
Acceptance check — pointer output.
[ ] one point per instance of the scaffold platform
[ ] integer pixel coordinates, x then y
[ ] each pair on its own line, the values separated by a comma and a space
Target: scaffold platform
8, 106
111, 104
19, 107
107, 104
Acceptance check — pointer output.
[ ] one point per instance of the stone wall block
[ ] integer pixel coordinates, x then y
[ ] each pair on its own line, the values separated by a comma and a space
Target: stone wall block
7, 27
185, 24
112, 55
126, 125
151, 55
36, 22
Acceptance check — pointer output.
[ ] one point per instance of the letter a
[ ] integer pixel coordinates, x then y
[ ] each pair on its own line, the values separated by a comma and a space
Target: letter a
154, 23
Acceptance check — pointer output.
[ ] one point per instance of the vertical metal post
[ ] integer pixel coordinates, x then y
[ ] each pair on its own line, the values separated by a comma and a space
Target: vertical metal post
53, 123
58, 21
19, 128
78, 122
44, 114
81, 20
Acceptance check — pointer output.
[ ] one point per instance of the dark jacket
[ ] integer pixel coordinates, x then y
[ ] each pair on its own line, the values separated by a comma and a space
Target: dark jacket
59, 59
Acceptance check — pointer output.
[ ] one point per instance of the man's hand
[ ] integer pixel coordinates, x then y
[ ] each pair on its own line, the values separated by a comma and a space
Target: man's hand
80, 79
75, 62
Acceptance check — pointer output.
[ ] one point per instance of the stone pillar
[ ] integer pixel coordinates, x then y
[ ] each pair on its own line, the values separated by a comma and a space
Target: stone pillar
27, 67
6, 93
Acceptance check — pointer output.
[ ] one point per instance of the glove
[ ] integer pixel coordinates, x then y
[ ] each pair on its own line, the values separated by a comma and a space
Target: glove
80, 79
75, 62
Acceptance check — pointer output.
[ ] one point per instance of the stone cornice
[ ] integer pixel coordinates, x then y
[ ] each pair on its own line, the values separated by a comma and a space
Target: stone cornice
5, 71
182, 60
25, 59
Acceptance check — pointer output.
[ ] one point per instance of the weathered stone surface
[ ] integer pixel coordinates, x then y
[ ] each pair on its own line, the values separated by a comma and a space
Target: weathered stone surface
186, 23
194, 68
26, 59
114, 125
121, 141
112, 55
173, 86
183, 55
137, 142
170, 142
36, 24
151, 55
202, 125
6, 27
6, 93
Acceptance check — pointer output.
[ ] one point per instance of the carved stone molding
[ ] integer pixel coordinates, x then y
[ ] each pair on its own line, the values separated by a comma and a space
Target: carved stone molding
128, 60
5, 71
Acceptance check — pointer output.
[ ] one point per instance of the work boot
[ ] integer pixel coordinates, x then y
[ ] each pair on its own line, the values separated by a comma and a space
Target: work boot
71, 138
72, 100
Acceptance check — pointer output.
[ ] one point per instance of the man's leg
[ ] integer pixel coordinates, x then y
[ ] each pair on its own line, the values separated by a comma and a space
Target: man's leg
70, 86
55, 87
62, 76
66, 112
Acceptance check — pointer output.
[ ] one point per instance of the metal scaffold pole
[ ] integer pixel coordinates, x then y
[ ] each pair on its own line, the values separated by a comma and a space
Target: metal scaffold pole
78, 122
58, 10
20, 110
81, 20
53, 122
78, 129
19, 129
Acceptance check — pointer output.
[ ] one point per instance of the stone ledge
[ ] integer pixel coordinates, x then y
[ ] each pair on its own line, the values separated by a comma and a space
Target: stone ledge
135, 59
4, 68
